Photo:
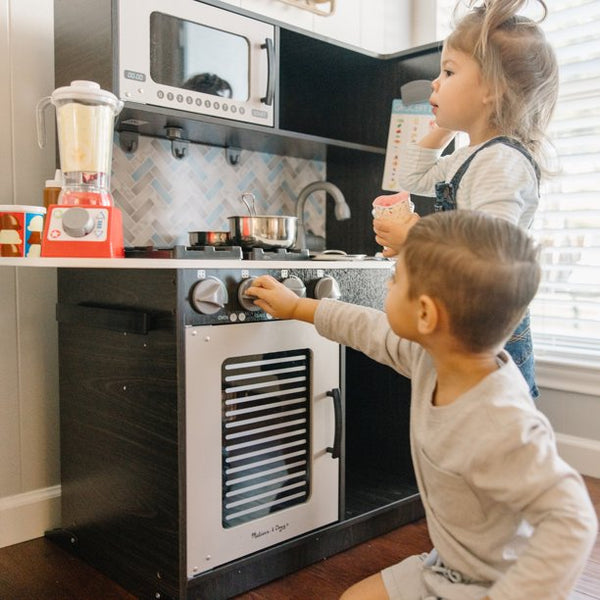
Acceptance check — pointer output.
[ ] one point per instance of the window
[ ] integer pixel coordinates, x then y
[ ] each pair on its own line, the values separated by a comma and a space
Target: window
566, 310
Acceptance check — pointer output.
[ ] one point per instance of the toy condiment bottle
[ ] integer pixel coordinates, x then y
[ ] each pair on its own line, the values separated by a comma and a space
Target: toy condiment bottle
52, 189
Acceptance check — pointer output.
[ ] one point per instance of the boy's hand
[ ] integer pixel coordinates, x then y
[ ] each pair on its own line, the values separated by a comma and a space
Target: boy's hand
273, 297
391, 233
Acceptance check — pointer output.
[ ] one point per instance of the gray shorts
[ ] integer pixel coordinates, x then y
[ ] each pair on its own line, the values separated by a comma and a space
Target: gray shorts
424, 578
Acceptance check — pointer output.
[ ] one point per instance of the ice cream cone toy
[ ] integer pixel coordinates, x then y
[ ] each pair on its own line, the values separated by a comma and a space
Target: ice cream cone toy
392, 206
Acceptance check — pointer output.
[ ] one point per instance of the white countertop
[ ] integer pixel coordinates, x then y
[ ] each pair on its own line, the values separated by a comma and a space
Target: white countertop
187, 263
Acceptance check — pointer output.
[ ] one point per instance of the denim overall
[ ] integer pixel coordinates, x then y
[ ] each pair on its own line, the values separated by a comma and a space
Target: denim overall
519, 346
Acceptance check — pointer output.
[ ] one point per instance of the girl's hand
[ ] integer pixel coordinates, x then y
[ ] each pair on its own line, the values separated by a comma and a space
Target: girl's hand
280, 302
436, 138
391, 233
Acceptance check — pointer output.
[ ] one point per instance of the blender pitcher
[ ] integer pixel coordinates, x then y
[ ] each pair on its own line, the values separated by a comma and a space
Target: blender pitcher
84, 222
85, 122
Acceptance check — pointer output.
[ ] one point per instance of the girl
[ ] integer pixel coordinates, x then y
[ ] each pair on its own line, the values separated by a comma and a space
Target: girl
498, 83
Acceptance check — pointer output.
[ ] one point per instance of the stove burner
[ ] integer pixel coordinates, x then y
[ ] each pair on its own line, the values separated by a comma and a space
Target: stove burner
216, 253
208, 252
148, 252
277, 254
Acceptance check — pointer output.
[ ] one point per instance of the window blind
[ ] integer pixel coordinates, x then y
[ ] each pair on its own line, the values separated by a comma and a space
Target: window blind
566, 311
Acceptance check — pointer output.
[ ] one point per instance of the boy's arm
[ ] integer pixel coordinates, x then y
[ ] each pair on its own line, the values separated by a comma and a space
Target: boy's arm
359, 327
525, 473
280, 302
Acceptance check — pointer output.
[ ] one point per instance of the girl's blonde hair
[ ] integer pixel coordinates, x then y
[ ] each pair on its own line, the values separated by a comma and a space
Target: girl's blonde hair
483, 269
518, 62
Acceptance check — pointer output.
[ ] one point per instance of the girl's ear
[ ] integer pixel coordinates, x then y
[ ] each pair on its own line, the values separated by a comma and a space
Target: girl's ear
428, 315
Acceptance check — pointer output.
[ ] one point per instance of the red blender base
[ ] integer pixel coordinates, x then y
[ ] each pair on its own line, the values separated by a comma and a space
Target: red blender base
83, 231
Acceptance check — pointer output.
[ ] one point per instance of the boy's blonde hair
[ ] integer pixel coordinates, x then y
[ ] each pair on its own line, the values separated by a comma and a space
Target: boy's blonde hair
483, 269
518, 62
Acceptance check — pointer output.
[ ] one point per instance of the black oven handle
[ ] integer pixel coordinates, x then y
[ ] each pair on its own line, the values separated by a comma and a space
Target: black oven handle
336, 449
272, 72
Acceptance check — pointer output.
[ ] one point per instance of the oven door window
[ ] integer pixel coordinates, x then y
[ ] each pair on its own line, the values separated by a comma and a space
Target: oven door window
265, 434
189, 55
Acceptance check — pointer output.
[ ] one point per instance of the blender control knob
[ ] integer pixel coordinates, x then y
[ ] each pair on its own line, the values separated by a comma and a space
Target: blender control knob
77, 222
209, 296
246, 302
295, 284
327, 287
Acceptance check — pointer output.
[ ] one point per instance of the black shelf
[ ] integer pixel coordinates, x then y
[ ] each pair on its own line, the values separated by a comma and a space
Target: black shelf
153, 121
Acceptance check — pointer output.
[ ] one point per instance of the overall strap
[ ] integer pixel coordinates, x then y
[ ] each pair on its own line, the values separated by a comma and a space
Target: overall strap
445, 193
497, 140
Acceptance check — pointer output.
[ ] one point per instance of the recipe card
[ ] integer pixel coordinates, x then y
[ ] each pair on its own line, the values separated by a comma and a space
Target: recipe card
408, 124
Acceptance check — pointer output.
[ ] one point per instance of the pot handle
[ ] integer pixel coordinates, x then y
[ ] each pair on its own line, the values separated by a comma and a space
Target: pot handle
248, 199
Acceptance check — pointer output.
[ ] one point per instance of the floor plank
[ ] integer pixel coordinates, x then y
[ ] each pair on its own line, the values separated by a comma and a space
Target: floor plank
39, 570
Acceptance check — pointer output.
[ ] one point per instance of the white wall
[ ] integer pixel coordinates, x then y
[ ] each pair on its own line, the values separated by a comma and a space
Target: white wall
381, 26
29, 468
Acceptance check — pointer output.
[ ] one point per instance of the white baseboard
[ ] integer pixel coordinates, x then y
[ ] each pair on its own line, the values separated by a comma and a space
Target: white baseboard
581, 453
27, 516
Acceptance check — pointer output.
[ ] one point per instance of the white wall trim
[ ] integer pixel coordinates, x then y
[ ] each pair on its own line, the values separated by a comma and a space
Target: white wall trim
27, 516
581, 453
567, 375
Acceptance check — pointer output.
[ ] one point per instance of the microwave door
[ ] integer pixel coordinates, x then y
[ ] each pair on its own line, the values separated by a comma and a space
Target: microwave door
200, 58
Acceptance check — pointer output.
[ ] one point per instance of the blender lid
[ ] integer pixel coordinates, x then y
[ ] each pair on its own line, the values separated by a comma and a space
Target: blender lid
87, 91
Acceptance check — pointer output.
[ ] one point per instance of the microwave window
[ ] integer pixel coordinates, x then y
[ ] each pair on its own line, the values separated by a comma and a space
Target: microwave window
191, 56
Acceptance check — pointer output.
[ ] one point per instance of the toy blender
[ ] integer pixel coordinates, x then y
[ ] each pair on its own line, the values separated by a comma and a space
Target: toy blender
84, 222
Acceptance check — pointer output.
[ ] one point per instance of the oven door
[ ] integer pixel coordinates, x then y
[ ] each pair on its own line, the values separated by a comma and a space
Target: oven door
260, 429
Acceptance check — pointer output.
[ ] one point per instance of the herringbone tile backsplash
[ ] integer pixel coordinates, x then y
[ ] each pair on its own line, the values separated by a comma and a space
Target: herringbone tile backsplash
163, 198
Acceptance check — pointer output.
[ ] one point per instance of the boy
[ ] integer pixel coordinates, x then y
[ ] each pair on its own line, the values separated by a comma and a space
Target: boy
508, 519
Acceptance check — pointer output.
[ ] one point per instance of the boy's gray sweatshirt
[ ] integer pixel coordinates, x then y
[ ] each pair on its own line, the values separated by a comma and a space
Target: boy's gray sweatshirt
502, 507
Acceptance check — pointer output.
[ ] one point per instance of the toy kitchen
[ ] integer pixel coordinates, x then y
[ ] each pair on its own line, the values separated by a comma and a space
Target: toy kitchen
207, 448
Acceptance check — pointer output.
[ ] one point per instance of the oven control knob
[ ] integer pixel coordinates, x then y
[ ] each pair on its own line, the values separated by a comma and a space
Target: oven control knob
295, 284
77, 222
327, 287
209, 296
246, 302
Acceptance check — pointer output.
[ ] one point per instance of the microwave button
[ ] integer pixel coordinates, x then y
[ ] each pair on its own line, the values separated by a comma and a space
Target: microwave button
198, 101
207, 103
233, 108
225, 107
170, 96
189, 100
160, 94
242, 110
217, 106
180, 98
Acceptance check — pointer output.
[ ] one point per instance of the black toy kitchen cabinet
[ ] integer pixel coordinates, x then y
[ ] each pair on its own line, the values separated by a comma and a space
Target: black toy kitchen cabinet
125, 459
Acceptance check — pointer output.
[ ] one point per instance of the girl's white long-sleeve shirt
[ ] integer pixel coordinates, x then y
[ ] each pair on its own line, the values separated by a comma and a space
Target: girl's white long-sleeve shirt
499, 180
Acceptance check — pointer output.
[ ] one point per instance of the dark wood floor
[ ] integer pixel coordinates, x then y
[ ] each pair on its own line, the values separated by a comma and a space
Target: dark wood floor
38, 570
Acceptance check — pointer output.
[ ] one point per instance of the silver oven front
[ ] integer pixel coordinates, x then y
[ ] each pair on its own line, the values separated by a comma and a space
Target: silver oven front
262, 440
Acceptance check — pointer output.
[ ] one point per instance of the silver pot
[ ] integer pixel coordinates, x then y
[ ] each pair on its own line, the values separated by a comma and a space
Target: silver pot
263, 231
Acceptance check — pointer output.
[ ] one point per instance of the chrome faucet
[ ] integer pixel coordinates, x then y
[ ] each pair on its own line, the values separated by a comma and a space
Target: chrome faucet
342, 210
